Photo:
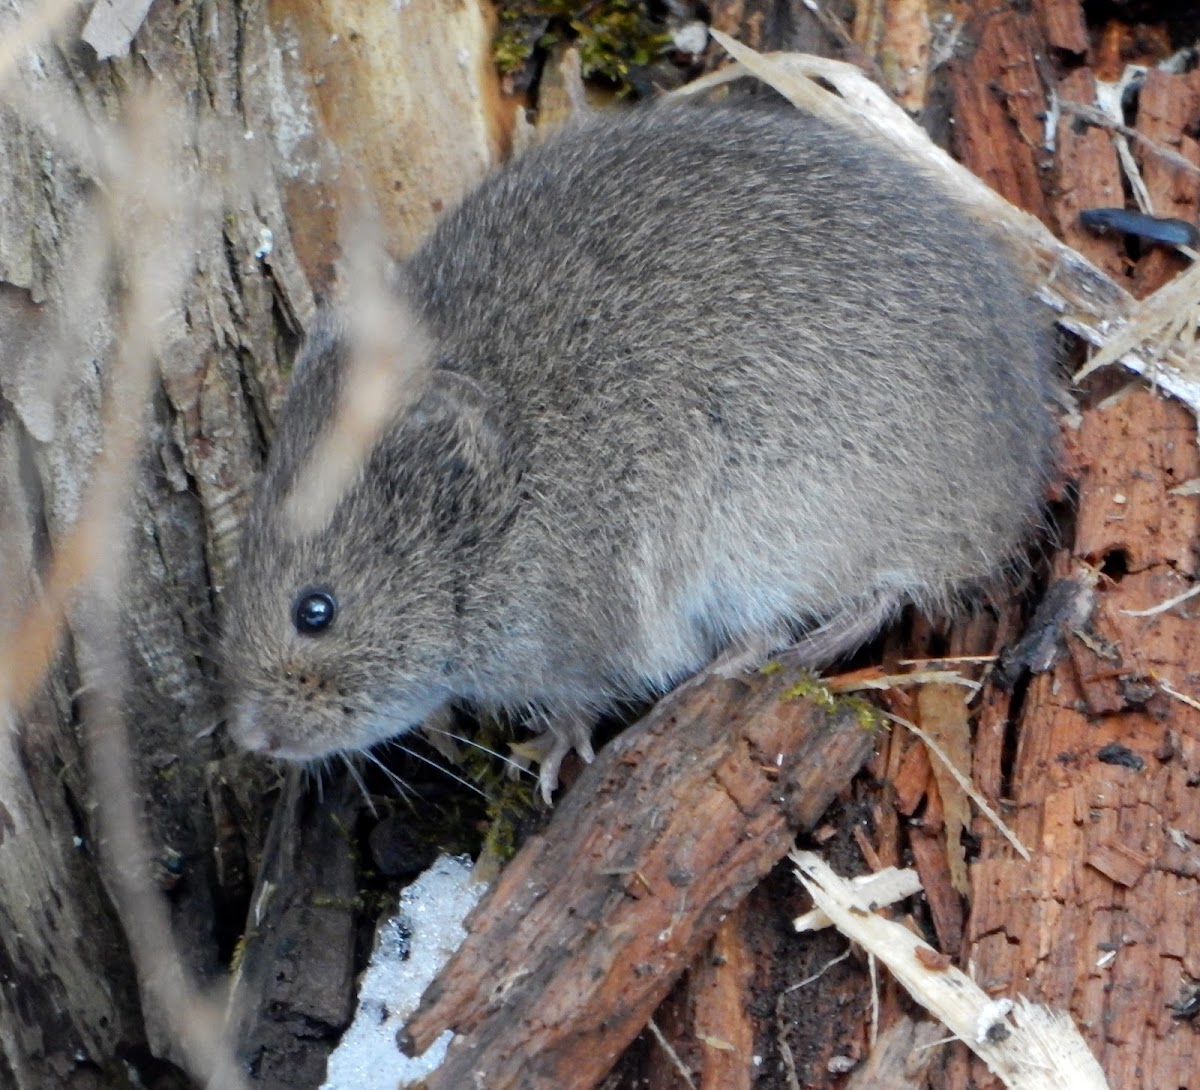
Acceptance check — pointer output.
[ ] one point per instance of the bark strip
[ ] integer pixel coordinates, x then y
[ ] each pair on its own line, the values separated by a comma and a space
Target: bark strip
589, 926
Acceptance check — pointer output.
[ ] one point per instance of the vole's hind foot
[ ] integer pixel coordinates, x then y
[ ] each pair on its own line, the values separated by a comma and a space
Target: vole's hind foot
845, 632
560, 735
749, 653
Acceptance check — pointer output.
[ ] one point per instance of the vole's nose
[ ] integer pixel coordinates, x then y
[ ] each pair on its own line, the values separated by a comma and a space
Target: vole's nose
247, 729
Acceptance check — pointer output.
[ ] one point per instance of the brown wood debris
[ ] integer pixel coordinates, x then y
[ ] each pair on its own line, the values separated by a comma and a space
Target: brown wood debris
707, 1022
1105, 921
293, 980
999, 107
589, 926
902, 1058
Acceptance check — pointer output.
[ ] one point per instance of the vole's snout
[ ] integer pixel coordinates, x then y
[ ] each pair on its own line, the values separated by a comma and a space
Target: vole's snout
252, 729
246, 727
298, 715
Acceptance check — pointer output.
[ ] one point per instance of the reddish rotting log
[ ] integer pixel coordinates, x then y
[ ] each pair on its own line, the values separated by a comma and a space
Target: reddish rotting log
588, 927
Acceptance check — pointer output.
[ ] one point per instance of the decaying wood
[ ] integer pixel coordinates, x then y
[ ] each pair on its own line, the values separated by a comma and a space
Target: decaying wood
367, 125
1025, 1044
1104, 923
999, 106
713, 1030
587, 928
294, 978
901, 1058
1168, 110
271, 150
1089, 176
1063, 25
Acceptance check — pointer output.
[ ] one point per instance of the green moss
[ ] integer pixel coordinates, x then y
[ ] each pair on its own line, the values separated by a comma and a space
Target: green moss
510, 799
614, 37
866, 714
349, 904
507, 813
512, 46
811, 687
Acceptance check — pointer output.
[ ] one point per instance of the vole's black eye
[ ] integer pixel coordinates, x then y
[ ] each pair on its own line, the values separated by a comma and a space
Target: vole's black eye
313, 612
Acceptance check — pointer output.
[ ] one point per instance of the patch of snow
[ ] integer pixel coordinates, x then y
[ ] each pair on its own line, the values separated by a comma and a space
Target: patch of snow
410, 949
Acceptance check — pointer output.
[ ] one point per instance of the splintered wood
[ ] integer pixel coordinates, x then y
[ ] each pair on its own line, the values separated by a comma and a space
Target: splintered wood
588, 927
1106, 784
1028, 1046
1000, 108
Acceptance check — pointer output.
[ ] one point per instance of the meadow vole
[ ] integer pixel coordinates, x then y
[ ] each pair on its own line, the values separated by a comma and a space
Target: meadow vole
701, 378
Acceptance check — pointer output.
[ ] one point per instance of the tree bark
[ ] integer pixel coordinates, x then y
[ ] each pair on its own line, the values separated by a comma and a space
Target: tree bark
275, 114
663, 836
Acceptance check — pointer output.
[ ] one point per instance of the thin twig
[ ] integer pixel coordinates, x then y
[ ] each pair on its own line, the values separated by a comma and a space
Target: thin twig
1095, 116
963, 782
1162, 607
672, 1055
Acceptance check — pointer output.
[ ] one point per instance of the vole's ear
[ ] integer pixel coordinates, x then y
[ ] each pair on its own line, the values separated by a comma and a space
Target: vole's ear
463, 411
469, 447
352, 379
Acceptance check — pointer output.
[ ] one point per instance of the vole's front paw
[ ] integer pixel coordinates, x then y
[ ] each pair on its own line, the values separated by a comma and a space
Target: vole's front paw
560, 734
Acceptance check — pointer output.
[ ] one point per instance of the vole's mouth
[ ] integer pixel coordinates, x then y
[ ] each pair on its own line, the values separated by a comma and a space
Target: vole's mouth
288, 750
254, 732
259, 729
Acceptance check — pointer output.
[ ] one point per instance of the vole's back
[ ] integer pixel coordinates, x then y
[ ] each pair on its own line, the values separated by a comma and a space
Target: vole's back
754, 371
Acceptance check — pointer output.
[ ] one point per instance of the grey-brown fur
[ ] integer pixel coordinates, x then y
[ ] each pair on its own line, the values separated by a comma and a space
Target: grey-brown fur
701, 374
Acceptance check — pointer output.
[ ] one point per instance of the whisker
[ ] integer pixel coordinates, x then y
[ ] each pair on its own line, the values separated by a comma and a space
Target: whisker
354, 775
441, 768
85, 688
314, 771
406, 792
482, 748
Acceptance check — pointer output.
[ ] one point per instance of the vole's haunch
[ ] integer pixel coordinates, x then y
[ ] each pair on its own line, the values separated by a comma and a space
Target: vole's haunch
701, 378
